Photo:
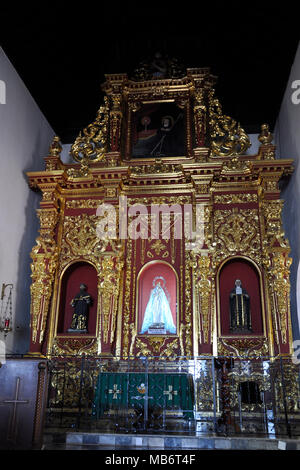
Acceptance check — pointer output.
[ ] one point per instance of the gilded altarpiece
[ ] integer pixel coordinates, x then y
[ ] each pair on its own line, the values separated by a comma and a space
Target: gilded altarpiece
241, 230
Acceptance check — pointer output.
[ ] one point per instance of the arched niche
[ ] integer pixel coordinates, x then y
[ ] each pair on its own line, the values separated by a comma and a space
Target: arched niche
149, 276
77, 273
246, 271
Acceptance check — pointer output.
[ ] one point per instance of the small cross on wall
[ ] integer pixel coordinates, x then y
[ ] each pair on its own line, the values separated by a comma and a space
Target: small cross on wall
12, 432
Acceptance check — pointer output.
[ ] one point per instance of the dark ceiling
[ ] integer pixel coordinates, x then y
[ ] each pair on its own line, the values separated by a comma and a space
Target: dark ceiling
62, 54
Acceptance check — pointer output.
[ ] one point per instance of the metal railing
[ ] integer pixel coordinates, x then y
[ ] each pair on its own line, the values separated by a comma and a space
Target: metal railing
199, 395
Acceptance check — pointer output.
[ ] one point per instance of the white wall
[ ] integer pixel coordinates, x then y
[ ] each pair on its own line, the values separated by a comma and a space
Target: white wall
287, 139
25, 136
65, 154
254, 144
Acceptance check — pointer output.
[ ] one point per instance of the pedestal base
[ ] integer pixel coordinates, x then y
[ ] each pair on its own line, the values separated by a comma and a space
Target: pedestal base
157, 329
73, 330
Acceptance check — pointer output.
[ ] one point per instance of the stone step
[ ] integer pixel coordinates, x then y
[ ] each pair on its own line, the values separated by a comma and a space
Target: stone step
158, 442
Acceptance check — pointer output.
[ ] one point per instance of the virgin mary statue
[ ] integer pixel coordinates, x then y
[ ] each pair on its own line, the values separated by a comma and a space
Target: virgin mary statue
158, 313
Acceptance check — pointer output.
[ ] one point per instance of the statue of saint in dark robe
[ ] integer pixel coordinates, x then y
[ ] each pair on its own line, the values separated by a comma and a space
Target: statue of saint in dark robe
240, 317
80, 303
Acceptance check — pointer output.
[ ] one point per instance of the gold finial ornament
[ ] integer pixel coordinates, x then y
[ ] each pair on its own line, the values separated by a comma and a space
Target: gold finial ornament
227, 136
265, 136
55, 147
91, 143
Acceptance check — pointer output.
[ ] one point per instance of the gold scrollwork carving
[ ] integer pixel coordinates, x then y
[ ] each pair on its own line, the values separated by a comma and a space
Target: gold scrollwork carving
83, 203
171, 349
235, 165
142, 348
74, 346
234, 198
227, 136
80, 240
157, 346
243, 347
236, 231
159, 200
158, 246
158, 167
81, 235
91, 143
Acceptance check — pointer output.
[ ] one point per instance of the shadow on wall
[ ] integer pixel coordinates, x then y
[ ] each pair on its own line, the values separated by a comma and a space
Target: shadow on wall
290, 193
22, 289
298, 293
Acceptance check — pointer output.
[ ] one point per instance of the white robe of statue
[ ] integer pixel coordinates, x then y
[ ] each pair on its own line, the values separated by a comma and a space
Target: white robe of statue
158, 311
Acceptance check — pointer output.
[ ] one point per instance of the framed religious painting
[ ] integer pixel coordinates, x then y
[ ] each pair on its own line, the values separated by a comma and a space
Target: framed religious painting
158, 131
157, 300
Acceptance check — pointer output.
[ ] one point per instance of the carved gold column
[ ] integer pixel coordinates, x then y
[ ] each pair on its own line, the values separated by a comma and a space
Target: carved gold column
115, 123
113, 87
44, 254
276, 248
200, 118
204, 302
204, 287
203, 266
186, 327
44, 262
277, 264
109, 287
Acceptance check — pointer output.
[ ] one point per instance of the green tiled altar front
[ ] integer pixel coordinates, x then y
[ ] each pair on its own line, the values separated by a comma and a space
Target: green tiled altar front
161, 392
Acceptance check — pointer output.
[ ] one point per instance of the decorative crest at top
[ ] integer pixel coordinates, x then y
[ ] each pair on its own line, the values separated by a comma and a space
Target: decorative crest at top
91, 143
164, 111
227, 137
160, 66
